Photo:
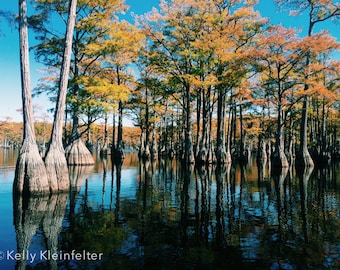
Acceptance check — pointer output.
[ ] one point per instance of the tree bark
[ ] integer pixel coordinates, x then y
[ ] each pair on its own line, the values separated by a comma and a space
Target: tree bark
279, 158
222, 155
189, 157
30, 174
118, 153
104, 151
202, 143
303, 157
55, 160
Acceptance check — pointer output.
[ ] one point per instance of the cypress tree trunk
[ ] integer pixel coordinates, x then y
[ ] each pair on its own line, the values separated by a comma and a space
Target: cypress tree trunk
30, 173
104, 151
118, 152
325, 154
113, 132
221, 154
145, 148
279, 158
76, 152
303, 157
290, 142
232, 139
154, 148
202, 156
189, 157
242, 154
211, 158
55, 160
261, 150
200, 98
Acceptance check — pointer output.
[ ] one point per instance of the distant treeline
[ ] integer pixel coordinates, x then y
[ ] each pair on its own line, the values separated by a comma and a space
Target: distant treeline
11, 134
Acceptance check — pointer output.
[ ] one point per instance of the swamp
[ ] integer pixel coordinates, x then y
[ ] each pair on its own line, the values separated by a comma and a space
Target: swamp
162, 214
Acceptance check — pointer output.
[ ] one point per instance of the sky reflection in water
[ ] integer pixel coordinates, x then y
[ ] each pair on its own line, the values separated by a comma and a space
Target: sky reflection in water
165, 216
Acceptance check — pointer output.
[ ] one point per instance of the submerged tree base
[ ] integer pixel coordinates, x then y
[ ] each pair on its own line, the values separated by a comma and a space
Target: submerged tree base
30, 172
56, 167
117, 154
78, 154
303, 160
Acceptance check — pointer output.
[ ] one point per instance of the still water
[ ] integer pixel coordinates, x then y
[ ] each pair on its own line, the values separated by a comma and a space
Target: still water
161, 215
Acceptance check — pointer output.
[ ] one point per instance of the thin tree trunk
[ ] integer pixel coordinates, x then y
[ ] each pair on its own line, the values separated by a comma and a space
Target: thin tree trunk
279, 159
188, 152
211, 152
241, 154
55, 160
118, 153
113, 132
30, 174
199, 101
105, 149
154, 148
303, 158
202, 156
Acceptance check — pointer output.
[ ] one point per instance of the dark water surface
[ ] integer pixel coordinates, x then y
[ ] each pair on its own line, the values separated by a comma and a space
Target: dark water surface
161, 215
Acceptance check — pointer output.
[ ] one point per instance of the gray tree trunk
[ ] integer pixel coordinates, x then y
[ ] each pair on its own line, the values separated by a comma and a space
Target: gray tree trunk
279, 157
104, 151
202, 140
189, 157
55, 160
78, 154
222, 154
30, 174
303, 157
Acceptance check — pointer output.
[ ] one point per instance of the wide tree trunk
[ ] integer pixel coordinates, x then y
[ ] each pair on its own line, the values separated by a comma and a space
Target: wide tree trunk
55, 160
78, 154
30, 174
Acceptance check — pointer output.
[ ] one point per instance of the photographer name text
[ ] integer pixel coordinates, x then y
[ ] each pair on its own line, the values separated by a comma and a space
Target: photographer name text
46, 255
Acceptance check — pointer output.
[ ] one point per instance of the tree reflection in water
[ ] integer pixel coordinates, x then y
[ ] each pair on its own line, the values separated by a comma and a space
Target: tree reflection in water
166, 215
41, 217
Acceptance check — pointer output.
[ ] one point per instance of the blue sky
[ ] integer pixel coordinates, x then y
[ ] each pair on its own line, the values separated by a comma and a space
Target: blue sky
10, 88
